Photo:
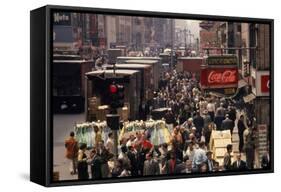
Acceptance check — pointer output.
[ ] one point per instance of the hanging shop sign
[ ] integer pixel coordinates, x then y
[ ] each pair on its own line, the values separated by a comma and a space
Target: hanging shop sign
219, 77
265, 83
262, 83
221, 60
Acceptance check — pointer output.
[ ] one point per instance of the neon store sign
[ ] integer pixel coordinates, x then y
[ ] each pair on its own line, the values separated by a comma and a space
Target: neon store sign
222, 77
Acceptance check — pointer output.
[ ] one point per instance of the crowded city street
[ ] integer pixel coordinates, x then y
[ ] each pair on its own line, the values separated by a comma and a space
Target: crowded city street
136, 96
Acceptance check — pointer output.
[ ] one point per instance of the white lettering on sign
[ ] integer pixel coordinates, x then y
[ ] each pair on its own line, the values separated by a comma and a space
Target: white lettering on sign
262, 140
227, 76
268, 84
58, 17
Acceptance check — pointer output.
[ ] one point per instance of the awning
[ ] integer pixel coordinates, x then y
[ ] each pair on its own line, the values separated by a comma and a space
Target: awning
249, 98
242, 83
216, 94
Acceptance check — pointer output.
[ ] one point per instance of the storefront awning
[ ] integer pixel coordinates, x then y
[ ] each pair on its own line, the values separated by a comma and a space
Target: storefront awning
242, 83
216, 94
249, 98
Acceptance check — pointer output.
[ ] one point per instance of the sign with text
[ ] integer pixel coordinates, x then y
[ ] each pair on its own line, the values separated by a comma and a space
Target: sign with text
262, 140
61, 18
265, 83
219, 77
221, 60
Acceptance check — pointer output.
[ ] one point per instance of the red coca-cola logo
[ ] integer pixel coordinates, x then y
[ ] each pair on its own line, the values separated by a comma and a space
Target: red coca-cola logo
222, 77
265, 83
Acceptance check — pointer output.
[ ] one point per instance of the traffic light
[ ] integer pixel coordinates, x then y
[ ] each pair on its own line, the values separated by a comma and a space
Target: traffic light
117, 95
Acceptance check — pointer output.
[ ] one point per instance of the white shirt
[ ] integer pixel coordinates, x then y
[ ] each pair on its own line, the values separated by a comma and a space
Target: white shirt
109, 145
189, 153
211, 107
199, 157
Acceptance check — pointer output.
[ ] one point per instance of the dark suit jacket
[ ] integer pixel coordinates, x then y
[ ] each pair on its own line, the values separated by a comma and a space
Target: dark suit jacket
242, 166
180, 168
198, 122
133, 161
96, 167
214, 162
218, 121
150, 167
227, 124
241, 128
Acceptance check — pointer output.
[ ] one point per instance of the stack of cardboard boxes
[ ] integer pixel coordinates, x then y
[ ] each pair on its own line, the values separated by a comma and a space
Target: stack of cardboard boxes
96, 111
219, 141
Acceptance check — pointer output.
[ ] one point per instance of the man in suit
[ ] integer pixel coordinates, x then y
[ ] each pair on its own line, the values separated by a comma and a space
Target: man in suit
232, 113
227, 124
210, 162
133, 161
227, 158
219, 119
221, 110
198, 122
150, 166
96, 165
241, 128
239, 164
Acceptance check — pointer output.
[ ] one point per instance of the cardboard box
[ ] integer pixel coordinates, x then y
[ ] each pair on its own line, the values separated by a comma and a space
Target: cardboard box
102, 111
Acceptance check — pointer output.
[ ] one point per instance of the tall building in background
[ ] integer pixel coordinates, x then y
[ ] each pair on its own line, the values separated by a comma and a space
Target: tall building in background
111, 33
209, 36
123, 30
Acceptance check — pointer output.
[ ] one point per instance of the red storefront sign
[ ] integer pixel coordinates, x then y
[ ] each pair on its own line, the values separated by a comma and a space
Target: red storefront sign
265, 83
219, 77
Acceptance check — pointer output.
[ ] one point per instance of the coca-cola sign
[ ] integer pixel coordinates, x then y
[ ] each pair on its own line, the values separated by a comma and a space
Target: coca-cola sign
265, 83
219, 77
222, 77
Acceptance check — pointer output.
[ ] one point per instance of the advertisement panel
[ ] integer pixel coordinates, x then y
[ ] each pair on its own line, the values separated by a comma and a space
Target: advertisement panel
221, 60
219, 77
62, 18
265, 83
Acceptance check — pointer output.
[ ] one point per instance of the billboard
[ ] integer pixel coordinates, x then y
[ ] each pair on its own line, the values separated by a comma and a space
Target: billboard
219, 77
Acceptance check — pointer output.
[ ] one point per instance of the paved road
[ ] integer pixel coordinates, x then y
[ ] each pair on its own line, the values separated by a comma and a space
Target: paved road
63, 124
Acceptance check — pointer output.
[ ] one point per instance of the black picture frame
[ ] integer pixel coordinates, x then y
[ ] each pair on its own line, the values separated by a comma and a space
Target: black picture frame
41, 130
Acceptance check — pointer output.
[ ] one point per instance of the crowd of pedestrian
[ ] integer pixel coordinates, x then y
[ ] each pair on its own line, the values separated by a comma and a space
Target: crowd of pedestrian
191, 117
